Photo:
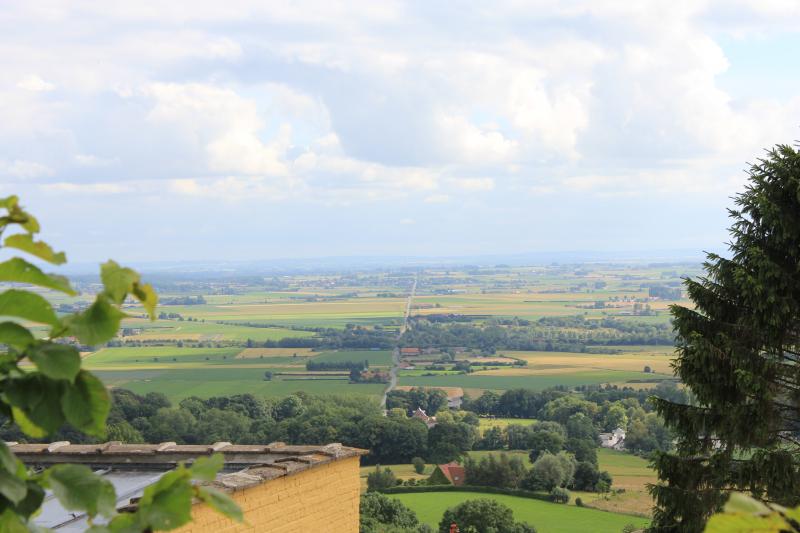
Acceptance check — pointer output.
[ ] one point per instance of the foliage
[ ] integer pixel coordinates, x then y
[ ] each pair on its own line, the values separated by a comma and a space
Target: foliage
559, 495
738, 351
482, 516
429, 400
745, 514
419, 464
55, 392
381, 479
378, 514
495, 472
551, 471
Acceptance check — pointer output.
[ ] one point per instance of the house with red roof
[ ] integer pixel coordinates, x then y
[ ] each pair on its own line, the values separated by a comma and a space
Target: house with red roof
449, 474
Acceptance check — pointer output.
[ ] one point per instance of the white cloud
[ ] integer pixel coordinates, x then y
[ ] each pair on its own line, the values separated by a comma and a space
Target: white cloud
35, 84
24, 169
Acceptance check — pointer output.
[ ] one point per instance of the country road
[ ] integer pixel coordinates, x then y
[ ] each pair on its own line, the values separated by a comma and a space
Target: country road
396, 352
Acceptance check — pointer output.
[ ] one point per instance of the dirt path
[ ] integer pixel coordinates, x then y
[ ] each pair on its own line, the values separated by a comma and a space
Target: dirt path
396, 352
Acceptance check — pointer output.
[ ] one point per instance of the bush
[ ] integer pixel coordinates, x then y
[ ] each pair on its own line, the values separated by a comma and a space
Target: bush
381, 479
419, 464
579, 501
378, 511
559, 495
482, 515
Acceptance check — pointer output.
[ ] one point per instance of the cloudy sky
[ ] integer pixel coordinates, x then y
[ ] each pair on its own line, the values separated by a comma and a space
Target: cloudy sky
195, 129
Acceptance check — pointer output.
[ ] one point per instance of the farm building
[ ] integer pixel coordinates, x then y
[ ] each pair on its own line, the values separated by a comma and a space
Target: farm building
420, 414
280, 488
448, 474
410, 351
614, 440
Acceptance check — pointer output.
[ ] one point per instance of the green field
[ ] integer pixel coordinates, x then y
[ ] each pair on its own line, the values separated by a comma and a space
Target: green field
170, 329
207, 382
545, 517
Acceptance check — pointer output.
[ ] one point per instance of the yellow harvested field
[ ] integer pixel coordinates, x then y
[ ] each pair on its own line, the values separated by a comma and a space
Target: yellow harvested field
560, 362
488, 360
251, 353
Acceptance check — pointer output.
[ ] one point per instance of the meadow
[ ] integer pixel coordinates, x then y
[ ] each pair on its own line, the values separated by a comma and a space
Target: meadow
544, 516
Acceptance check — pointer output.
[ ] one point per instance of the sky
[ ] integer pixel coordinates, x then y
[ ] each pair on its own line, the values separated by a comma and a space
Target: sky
239, 130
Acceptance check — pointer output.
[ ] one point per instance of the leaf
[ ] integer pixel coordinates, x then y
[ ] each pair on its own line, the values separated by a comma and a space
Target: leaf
745, 523
221, 502
36, 403
118, 280
145, 293
11, 523
27, 305
78, 488
8, 202
25, 424
97, 324
122, 523
40, 249
18, 270
57, 361
12, 487
16, 336
206, 468
741, 503
32, 500
8, 462
167, 503
86, 404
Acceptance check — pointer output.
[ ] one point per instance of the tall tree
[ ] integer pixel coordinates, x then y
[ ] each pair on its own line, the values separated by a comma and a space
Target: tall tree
738, 353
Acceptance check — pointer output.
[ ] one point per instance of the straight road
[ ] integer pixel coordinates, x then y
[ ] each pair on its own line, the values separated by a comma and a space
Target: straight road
396, 352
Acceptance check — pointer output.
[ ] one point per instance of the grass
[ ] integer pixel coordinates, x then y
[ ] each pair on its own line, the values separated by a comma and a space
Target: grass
135, 356
402, 471
502, 423
175, 330
206, 382
544, 516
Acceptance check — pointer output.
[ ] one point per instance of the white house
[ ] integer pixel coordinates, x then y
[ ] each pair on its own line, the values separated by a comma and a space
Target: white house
614, 440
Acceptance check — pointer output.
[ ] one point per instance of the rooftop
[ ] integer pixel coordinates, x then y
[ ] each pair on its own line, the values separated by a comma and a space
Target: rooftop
132, 467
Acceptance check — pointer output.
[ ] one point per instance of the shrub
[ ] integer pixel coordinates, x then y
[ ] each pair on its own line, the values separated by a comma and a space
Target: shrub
419, 465
579, 501
559, 495
381, 479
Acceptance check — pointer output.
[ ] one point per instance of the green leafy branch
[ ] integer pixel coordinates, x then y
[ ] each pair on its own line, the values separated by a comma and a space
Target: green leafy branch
745, 514
58, 391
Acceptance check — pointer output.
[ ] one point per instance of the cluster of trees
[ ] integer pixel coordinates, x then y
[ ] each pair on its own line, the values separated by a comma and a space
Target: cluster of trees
337, 365
664, 292
572, 423
550, 471
351, 337
429, 400
574, 334
299, 418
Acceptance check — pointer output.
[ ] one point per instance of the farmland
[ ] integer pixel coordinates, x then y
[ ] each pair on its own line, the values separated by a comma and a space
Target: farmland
228, 333
544, 516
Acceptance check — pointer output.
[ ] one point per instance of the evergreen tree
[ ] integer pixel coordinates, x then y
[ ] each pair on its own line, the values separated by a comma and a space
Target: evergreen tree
738, 353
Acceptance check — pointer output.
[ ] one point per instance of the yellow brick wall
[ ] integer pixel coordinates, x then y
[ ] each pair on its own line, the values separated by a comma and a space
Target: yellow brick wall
321, 499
